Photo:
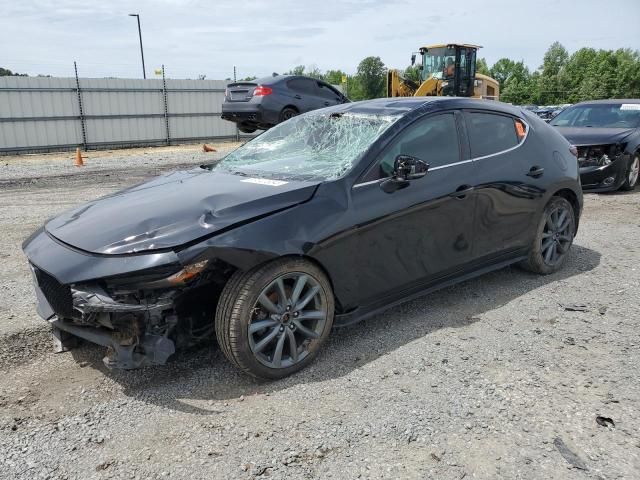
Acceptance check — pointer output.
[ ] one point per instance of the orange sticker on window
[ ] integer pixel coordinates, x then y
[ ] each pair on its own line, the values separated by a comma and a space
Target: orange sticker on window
520, 129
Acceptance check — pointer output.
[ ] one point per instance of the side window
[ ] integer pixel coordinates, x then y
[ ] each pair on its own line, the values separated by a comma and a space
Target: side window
302, 85
432, 139
491, 133
326, 92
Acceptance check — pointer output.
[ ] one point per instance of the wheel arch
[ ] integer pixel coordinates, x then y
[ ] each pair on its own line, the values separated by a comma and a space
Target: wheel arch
324, 269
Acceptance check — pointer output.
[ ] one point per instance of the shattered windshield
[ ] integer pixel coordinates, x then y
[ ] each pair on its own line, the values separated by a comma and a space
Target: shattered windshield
314, 146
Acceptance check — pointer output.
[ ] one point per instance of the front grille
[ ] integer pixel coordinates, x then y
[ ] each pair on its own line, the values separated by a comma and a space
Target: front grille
58, 295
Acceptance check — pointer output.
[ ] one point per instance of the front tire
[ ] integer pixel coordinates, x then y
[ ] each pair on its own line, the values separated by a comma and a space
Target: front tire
272, 321
633, 172
554, 237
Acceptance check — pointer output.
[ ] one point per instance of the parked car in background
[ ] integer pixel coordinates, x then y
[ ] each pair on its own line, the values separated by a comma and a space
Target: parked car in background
323, 220
265, 102
607, 136
546, 113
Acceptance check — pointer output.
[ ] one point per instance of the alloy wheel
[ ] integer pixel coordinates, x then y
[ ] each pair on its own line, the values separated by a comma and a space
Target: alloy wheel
557, 235
290, 313
634, 170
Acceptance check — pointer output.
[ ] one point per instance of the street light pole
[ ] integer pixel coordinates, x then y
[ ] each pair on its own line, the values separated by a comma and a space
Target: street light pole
144, 73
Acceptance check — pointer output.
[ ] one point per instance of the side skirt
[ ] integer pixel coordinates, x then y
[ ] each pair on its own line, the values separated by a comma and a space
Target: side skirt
362, 313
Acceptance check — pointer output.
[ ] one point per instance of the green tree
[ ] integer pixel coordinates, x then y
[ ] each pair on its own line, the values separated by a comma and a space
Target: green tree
299, 70
412, 72
516, 87
314, 72
5, 72
553, 81
482, 67
334, 77
371, 78
502, 70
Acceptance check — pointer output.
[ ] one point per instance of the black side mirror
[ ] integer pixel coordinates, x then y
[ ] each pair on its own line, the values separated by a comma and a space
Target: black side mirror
413, 59
405, 169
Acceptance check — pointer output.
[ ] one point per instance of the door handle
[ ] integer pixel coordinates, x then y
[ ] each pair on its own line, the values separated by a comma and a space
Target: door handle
326, 104
462, 191
297, 96
535, 171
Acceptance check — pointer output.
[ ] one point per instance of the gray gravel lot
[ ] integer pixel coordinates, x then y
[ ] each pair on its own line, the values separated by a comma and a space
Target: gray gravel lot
510, 376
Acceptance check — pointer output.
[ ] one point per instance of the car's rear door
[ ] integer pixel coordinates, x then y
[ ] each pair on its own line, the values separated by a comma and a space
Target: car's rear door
303, 95
423, 232
327, 95
509, 182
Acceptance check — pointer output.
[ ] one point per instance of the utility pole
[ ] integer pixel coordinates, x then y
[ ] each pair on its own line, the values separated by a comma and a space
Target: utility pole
144, 73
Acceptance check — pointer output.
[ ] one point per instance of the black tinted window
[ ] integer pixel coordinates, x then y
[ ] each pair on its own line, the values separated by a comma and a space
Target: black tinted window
432, 139
325, 91
302, 85
490, 133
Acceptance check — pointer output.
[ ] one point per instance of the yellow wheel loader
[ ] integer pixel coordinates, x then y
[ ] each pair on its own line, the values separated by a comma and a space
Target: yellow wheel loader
445, 70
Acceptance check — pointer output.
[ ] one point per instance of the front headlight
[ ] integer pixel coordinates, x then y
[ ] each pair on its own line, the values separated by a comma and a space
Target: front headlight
153, 280
187, 273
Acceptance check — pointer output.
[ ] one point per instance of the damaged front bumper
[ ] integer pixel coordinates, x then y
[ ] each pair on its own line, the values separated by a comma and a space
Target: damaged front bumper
600, 172
138, 327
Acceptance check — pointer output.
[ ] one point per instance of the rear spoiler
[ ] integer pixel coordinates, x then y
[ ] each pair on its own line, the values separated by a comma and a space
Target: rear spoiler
241, 84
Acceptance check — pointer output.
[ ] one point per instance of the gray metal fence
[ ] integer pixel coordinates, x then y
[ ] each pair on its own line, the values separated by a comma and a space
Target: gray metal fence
48, 114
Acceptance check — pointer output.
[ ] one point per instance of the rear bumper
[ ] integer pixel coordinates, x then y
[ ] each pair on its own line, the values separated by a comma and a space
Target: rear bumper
248, 113
605, 178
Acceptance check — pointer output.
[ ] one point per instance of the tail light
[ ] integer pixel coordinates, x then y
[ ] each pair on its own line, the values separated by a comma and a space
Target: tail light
261, 91
574, 150
226, 92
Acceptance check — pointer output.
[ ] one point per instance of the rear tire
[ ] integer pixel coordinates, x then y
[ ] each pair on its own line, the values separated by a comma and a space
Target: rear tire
246, 129
263, 325
287, 113
554, 237
632, 174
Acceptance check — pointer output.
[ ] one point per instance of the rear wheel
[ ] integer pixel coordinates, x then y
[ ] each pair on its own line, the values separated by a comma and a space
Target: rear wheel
554, 237
273, 320
632, 174
246, 129
287, 113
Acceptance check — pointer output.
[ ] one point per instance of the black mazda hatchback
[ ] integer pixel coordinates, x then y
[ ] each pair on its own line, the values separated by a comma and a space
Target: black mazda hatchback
322, 221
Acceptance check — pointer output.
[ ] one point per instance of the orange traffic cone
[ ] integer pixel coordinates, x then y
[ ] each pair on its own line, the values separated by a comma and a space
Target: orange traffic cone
208, 148
79, 162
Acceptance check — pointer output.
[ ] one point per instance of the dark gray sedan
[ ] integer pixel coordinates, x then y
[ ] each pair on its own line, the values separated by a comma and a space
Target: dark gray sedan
265, 102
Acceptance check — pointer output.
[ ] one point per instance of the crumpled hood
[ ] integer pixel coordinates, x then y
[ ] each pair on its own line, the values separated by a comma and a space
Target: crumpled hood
172, 210
580, 136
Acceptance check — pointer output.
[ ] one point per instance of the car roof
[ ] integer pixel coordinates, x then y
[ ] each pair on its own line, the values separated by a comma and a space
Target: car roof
610, 101
278, 78
404, 105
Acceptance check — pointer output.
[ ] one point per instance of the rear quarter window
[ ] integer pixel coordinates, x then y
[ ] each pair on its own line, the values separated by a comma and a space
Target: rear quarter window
491, 133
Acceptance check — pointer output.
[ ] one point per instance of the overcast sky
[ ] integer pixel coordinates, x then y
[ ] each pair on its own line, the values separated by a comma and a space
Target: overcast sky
193, 37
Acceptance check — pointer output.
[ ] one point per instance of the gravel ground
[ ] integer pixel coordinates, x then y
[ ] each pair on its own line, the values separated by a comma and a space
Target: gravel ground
510, 376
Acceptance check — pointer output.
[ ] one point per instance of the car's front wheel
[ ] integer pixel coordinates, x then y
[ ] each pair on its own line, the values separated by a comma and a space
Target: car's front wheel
554, 237
632, 174
272, 321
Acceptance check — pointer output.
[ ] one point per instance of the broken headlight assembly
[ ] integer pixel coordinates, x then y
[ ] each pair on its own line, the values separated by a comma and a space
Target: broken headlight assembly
160, 279
599, 155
